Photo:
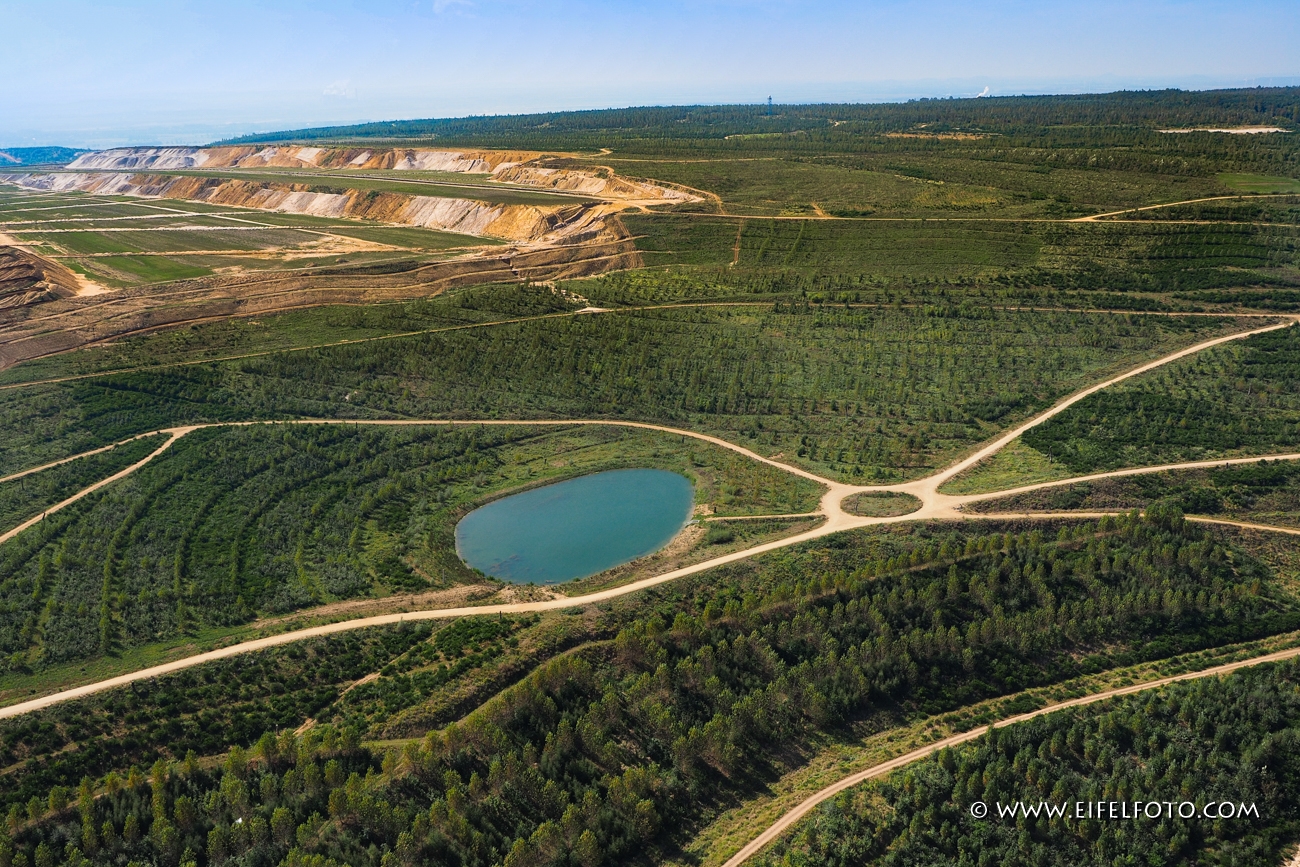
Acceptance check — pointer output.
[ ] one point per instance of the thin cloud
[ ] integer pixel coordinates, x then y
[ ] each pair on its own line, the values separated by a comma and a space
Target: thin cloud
342, 89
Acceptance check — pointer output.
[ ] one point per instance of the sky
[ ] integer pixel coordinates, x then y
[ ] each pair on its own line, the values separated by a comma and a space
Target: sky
99, 73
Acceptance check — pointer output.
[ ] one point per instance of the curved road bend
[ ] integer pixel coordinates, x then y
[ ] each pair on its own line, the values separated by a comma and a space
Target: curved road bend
884, 768
61, 461
176, 433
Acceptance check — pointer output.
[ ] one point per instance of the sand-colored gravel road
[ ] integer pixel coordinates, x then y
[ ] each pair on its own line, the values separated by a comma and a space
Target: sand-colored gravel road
884, 768
934, 506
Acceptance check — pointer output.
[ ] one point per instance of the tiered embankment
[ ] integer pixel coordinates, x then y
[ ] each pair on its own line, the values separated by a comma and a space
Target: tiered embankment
522, 168
26, 278
527, 223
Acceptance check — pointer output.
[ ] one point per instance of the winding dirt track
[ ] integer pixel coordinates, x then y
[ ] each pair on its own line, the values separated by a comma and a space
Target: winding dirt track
1094, 217
935, 506
884, 768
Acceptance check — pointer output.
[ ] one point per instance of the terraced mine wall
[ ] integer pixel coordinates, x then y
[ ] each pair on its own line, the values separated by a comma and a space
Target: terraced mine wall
293, 156
71, 323
521, 168
466, 216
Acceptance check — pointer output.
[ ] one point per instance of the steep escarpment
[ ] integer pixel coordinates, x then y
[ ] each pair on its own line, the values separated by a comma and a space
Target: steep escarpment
292, 156
26, 278
592, 182
546, 224
520, 168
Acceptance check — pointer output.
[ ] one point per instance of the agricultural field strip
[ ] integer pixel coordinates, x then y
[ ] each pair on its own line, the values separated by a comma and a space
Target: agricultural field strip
174, 215
934, 506
583, 312
73, 202
884, 768
253, 228
76, 203
469, 187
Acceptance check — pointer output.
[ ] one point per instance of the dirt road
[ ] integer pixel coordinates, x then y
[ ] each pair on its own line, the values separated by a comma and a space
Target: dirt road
883, 769
934, 506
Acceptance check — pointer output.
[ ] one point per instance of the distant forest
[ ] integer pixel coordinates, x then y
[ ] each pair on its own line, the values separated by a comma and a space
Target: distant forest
1142, 109
38, 156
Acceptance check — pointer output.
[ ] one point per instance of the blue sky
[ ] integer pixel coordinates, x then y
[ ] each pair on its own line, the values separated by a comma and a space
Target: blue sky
104, 72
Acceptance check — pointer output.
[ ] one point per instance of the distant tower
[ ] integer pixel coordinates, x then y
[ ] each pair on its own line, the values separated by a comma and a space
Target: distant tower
769, 105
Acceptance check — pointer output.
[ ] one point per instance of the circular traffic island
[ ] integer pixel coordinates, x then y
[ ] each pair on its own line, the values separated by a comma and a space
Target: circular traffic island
880, 504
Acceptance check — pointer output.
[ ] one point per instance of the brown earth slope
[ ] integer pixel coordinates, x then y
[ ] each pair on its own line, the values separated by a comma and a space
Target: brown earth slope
26, 278
70, 323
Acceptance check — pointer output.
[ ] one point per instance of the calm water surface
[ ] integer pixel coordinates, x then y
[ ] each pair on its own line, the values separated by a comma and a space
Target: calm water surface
576, 528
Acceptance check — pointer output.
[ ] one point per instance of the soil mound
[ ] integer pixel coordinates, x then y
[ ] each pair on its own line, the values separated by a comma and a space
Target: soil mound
26, 278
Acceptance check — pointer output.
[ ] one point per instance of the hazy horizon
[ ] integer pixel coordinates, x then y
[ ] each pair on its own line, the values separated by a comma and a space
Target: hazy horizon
149, 72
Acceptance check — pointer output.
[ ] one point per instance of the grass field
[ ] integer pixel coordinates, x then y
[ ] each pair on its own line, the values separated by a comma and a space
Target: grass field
1260, 183
1017, 464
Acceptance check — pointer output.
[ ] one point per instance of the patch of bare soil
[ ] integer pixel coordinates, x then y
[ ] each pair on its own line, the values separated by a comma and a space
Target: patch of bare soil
689, 547
941, 136
331, 245
1233, 130
26, 278
512, 593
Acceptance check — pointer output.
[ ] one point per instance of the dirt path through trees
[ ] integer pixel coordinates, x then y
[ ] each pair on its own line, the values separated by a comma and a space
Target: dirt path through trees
884, 768
934, 506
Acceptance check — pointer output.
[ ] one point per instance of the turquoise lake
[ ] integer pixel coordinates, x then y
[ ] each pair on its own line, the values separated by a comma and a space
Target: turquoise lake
575, 528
